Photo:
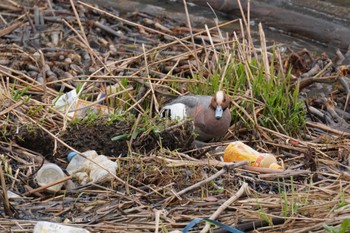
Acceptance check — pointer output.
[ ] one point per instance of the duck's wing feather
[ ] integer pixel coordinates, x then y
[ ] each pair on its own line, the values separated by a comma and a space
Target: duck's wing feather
191, 101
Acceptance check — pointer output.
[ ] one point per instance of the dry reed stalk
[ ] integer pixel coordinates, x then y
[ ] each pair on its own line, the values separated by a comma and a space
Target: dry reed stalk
226, 204
4, 197
47, 186
101, 99
157, 220
213, 177
154, 98
265, 58
36, 87
189, 25
250, 48
317, 202
82, 36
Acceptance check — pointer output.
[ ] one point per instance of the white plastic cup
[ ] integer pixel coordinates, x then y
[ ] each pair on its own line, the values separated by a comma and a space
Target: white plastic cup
49, 173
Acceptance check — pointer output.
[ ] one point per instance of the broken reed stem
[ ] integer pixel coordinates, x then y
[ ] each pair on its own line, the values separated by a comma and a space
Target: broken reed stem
250, 77
156, 105
228, 61
21, 77
43, 73
157, 220
225, 168
213, 46
84, 38
176, 40
224, 206
101, 99
264, 52
285, 174
48, 185
213, 177
12, 107
191, 31
134, 129
5, 199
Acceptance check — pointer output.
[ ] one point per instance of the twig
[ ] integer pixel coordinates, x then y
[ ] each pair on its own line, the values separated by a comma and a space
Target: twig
225, 205
48, 185
109, 30
191, 31
84, 38
156, 105
157, 220
264, 52
207, 180
5, 199
286, 173
263, 170
213, 177
327, 128
43, 73
10, 28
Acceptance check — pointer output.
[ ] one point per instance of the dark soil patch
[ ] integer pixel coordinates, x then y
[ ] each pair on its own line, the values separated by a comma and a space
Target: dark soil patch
98, 136
33, 138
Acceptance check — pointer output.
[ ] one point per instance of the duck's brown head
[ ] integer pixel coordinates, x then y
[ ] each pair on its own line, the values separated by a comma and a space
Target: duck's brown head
219, 103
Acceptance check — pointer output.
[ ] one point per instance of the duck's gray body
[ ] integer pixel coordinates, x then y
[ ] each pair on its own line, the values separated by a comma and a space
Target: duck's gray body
199, 108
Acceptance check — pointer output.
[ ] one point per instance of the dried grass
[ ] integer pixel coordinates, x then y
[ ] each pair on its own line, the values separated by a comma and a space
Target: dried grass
151, 192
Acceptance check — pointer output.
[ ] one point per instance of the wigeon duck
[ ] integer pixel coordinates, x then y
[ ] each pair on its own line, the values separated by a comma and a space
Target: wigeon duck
211, 114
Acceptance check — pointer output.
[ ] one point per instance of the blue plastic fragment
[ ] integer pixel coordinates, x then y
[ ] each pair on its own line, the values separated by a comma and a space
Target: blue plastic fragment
223, 226
102, 96
71, 155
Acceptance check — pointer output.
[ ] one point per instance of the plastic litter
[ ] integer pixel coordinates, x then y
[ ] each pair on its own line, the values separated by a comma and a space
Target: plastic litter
76, 162
238, 151
12, 195
86, 171
77, 107
45, 227
49, 173
217, 223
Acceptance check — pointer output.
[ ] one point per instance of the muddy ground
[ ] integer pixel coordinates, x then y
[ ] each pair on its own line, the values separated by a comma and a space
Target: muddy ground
162, 182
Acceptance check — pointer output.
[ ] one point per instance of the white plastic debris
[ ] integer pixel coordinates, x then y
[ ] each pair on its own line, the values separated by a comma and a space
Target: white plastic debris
50, 173
86, 171
46, 227
100, 175
66, 102
76, 162
74, 107
12, 195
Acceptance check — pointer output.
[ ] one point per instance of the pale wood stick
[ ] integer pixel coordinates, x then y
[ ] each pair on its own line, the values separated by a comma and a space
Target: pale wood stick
213, 177
48, 185
157, 220
4, 197
264, 52
263, 169
225, 205
286, 173
207, 180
